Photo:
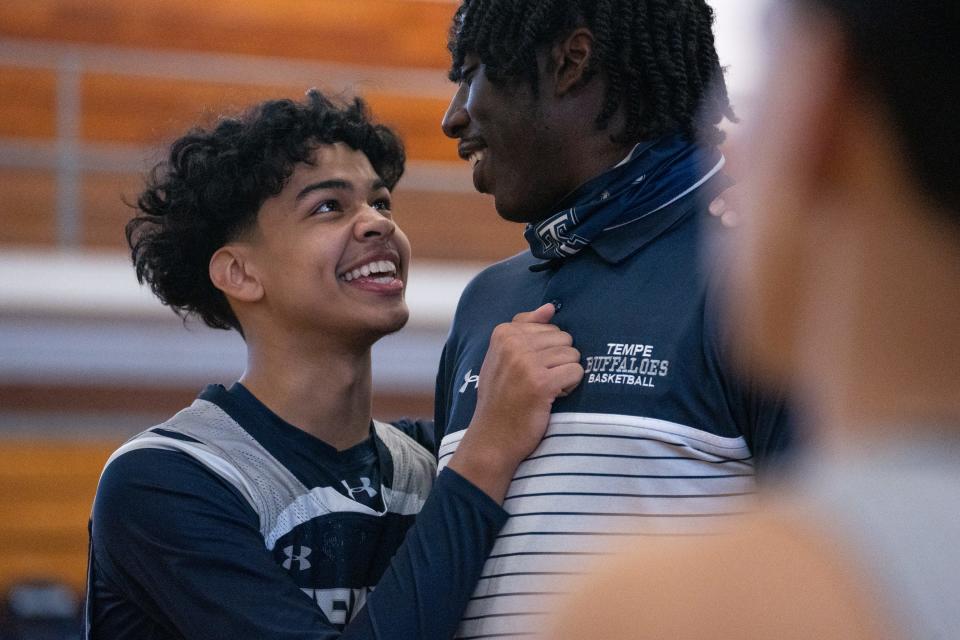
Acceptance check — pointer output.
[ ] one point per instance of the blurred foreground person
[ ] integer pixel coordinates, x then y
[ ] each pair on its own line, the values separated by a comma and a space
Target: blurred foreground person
272, 508
847, 286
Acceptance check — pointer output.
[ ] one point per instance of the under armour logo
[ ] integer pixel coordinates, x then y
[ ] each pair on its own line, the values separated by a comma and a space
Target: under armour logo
300, 557
364, 487
469, 379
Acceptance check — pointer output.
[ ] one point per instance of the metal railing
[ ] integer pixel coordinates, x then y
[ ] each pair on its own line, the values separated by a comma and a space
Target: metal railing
69, 156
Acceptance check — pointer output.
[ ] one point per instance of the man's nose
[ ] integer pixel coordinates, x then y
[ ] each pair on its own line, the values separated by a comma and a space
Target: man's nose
456, 118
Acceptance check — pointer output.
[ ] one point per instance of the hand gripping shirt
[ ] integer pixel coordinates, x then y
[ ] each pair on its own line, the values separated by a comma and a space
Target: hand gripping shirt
226, 522
659, 438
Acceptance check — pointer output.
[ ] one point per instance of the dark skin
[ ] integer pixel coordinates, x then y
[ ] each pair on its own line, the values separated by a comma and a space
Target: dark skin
532, 150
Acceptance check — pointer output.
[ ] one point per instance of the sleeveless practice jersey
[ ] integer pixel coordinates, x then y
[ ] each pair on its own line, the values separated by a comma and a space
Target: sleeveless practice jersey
227, 522
658, 439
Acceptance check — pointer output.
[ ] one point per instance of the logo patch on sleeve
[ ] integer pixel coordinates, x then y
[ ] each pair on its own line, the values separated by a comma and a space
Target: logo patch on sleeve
470, 379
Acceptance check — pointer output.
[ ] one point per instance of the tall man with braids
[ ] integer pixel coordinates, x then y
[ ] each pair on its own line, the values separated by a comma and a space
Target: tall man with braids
595, 124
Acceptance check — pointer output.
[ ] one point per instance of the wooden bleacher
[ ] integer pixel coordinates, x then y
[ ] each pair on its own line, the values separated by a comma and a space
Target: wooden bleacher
46, 490
27, 207
365, 32
120, 108
28, 102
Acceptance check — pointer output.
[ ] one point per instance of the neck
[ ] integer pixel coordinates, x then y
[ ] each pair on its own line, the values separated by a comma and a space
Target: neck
585, 165
582, 151
323, 388
883, 349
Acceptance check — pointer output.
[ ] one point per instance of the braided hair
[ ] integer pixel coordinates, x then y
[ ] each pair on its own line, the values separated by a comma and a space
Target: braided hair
658, 57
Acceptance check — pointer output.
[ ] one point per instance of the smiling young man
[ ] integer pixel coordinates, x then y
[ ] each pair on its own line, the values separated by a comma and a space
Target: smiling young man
272, 508
595, 124
846, 275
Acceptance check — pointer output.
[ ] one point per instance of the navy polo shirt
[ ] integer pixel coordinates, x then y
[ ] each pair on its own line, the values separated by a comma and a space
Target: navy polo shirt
660, 438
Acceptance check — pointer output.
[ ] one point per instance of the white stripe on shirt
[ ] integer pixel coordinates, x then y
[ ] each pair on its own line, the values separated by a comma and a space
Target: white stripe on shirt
594, 480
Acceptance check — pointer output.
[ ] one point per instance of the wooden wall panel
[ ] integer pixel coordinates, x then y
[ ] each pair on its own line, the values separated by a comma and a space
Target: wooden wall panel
454, 226
418, 122
441, 226
124, 109
104, 211
27, 206
132, 110
371, 32
25, 398
160, 400
46, 490
27, 102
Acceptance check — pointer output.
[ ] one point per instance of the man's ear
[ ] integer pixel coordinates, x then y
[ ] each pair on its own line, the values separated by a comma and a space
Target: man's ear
825, 111
571, 60
232, 272
796, 135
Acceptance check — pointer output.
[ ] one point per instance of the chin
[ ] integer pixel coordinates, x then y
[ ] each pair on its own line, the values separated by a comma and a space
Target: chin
398, 324
393, 322
373, 324
518, 213
525, 205
372, 332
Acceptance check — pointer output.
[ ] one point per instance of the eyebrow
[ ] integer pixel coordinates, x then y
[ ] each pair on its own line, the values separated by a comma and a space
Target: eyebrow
343, 185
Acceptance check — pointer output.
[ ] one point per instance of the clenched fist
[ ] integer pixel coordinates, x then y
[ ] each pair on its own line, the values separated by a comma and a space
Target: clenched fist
529, 363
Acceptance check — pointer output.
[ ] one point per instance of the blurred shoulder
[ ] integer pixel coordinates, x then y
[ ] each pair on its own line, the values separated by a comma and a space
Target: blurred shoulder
776, 576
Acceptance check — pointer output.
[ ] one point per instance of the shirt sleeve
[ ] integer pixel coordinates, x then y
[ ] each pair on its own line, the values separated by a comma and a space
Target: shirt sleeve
174, 538
420, 430
432, 576
762, 412
440, 405
769, 427
186, 547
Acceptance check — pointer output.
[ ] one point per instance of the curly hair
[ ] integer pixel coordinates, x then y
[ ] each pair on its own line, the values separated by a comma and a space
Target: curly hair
905, 55
211, 186
658, 57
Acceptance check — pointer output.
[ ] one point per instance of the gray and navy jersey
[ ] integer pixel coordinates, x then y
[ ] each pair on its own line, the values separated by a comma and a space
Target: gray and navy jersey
227, 522
659, 438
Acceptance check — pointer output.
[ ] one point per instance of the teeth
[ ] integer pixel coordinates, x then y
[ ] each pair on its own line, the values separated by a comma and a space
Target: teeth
477, 156
379, 266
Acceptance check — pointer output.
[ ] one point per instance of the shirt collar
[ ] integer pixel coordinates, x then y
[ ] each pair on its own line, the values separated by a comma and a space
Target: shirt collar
618, 244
